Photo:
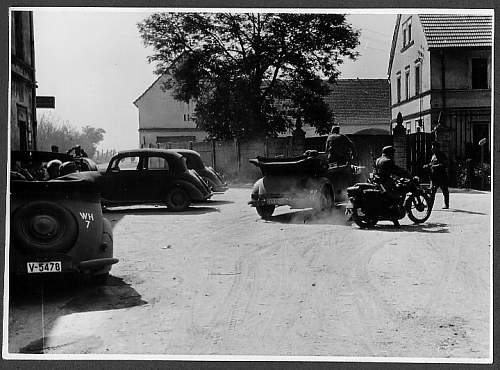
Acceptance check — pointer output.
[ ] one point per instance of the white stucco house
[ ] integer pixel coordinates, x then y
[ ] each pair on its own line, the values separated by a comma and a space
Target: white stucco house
440, 69
162, 119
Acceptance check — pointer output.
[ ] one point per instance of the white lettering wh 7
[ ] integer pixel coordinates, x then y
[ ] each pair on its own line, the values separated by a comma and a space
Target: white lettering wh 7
87, 217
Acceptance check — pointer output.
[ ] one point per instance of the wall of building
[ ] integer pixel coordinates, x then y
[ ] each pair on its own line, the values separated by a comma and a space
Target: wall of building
149, 138
23, 88
457, 66
158, 108
407, 58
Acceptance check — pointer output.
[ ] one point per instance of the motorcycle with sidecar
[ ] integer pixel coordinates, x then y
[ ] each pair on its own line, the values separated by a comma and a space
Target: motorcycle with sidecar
369, 203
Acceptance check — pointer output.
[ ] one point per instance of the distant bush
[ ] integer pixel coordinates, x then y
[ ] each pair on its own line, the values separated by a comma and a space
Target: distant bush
52, 131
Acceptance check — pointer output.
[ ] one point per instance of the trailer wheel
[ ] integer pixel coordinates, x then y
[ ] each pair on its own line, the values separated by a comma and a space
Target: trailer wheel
265, 211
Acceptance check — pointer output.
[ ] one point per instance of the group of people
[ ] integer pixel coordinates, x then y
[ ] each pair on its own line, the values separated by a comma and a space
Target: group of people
340, 149
36, 171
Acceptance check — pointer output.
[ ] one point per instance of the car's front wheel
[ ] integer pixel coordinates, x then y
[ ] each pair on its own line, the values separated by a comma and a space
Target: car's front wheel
178, 200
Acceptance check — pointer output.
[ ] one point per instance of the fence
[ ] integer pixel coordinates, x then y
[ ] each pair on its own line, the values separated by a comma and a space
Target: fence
231, 157
418, 153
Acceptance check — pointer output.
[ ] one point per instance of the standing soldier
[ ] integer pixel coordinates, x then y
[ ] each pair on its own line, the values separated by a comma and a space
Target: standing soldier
439, 176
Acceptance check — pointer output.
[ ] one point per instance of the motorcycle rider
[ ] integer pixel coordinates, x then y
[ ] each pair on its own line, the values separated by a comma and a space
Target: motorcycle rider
385, 171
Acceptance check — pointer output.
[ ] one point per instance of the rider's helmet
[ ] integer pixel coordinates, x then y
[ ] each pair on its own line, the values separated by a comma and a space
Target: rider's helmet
388, 150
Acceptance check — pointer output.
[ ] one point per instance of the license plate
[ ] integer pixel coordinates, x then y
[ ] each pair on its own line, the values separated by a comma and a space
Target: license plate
276, 201
42, 267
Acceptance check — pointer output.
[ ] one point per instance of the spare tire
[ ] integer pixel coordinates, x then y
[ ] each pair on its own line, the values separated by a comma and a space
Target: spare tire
43, 226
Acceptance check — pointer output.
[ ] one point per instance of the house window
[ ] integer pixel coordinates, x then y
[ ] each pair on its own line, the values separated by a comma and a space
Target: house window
22, 122
479, 73
407, 32
189, 117
398, 87
18, 37
407, 84
417, 79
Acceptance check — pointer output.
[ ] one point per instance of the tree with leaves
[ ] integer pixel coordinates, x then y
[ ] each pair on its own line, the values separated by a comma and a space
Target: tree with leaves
51, 131
242, 68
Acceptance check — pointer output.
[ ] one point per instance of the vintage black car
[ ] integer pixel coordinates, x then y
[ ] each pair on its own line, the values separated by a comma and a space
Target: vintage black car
57, 226
211, 176
305, 181
152, 176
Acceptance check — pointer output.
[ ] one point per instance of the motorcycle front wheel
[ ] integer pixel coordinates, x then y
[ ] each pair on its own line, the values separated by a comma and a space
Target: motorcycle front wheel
418, 208
363, 222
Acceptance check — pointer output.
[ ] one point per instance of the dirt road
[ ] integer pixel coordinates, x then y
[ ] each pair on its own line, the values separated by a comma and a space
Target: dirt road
218, 280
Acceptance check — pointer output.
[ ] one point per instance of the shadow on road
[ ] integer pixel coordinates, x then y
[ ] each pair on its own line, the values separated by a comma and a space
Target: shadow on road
336, 217
115, 215
152, 210
434, 228
462, 211
217, 202
76, 296
57, 298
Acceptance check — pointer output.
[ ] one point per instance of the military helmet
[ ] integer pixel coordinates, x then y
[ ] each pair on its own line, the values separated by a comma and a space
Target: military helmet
388, 150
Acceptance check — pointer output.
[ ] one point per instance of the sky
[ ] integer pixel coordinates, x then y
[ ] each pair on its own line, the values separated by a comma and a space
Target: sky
95, 64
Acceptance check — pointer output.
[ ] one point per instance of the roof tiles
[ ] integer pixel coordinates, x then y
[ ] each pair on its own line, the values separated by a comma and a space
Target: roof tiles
360, 101
457, 30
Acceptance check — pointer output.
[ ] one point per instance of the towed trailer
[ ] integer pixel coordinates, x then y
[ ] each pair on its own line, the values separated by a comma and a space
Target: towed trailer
305, 181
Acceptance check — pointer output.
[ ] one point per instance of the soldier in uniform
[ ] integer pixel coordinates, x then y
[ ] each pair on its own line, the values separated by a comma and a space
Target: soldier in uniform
439, 175
385, 170
339, 148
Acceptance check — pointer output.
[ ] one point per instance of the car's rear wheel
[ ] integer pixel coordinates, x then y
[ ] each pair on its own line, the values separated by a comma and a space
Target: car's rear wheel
44, 226
178, 200
265, 211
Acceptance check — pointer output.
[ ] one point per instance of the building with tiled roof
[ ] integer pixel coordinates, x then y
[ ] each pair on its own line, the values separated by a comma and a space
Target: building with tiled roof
440, 72
359, 106
457, 30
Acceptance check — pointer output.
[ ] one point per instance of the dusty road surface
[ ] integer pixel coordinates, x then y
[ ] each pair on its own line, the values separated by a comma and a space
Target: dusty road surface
218, 280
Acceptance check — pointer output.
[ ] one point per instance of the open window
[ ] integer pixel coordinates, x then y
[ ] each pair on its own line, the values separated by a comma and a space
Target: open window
479, 73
